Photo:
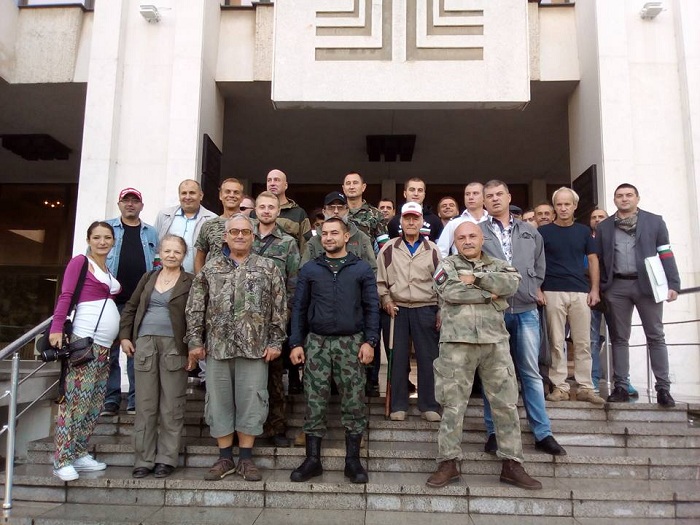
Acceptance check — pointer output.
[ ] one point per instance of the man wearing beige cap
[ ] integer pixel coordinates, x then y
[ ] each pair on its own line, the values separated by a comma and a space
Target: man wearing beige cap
133, 254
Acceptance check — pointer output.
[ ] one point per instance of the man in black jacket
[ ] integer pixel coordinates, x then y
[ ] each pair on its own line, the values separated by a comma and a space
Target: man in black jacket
335, 328
414, 191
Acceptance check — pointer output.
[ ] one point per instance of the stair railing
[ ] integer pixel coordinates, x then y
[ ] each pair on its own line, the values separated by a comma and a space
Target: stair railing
15, 382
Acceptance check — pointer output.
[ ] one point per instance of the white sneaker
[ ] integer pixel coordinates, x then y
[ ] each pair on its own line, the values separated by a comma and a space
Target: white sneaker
87, 463
398, 416
67, 473
431, 416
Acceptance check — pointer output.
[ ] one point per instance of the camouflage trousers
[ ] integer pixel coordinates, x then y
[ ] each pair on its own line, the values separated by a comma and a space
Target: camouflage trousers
454, 377
334, 357
276, 417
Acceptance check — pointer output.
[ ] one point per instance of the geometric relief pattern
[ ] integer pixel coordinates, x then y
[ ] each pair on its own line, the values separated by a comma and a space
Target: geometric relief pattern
354, 30
445, 30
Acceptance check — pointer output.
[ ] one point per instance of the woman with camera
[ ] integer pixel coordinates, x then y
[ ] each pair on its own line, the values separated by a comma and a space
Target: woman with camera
95, 326
152, 330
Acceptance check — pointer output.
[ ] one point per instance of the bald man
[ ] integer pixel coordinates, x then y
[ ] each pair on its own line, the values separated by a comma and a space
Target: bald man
472, 291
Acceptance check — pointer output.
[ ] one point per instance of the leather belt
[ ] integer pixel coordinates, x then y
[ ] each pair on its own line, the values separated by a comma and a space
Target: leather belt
632, 277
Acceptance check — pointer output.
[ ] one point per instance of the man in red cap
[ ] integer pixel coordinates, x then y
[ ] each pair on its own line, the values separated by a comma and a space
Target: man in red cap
133, 254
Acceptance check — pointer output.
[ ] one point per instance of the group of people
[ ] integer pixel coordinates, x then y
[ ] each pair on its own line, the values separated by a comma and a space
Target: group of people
244, 295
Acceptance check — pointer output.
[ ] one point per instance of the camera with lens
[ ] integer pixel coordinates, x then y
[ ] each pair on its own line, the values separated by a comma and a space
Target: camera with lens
54, 354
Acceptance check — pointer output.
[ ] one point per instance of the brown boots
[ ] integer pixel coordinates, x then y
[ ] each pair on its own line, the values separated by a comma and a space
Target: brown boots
446, 473
513, 473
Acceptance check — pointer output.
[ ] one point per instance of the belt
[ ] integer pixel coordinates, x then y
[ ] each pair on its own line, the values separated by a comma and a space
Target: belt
632, 277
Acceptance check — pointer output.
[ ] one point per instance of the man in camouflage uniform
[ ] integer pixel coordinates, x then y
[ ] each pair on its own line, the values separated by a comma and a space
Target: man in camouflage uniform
366, 217
472, 289
211, 236
237, 310
335, 204
292, 218
335, 328
270, 241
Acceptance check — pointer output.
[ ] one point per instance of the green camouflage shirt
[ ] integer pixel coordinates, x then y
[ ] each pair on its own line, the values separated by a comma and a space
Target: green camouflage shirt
469, 315
211, 237
237, 310
284, 252
370, 221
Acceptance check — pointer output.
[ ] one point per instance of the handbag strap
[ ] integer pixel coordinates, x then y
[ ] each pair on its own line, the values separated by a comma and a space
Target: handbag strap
79, 286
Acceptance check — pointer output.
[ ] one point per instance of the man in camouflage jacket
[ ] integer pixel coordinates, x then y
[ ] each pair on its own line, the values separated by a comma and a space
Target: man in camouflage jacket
236, 317
472, 290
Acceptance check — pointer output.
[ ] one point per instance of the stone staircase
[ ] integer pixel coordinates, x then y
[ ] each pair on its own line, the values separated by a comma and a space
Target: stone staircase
624, 461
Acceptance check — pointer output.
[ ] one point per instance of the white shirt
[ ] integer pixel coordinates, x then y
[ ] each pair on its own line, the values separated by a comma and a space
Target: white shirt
87, 313
447, 237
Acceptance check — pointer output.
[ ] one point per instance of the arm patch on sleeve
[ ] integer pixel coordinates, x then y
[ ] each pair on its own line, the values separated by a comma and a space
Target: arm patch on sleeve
440, 275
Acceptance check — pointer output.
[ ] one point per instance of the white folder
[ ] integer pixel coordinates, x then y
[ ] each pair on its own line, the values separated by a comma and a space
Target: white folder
657, 278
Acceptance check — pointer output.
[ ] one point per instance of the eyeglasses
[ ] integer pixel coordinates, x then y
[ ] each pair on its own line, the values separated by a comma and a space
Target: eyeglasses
336, 207
235, 232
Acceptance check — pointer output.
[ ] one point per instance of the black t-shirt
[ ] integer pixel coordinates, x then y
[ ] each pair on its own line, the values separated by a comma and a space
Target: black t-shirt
565, 250
132, 264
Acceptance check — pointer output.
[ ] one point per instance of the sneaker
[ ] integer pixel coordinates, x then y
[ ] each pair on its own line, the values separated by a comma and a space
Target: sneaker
588, 395
131, 411
431, 416
67, 473
110, 409
558, 395
248, 470
87, 464
221, 468
398, 416
632, 391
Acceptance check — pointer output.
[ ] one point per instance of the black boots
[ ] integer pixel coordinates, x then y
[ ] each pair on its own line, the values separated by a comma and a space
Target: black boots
353, 468
311, 467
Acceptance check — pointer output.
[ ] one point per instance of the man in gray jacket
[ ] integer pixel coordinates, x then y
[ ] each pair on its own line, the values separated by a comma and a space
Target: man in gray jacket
518, 243
625, 240
185, 219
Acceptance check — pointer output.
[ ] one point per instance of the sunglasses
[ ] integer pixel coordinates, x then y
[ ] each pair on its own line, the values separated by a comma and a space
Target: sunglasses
235, 232
246, 208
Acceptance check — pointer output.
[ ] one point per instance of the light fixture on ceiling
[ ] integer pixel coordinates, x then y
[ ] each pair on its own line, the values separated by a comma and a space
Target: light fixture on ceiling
651, 10
150, 13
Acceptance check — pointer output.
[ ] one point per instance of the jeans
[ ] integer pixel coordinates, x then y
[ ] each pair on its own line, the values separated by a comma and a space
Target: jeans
596, 319
524, 330
114, 382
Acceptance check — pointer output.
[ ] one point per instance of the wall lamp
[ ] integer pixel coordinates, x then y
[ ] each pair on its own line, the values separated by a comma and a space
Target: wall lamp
150, 13
651, 10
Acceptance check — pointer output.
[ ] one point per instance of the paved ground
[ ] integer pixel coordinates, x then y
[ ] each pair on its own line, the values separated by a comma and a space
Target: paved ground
81, 514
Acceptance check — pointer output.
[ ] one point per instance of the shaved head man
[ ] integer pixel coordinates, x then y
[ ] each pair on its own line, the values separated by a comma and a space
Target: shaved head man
474, 213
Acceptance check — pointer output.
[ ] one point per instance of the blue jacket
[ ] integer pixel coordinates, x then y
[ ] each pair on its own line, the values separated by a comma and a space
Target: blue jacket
344, 304
149, 241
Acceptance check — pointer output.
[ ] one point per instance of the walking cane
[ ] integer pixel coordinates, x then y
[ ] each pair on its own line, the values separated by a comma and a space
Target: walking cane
390, 353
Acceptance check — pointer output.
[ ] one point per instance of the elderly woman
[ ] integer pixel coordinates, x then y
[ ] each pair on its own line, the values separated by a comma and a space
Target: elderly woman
152, 329
95, 317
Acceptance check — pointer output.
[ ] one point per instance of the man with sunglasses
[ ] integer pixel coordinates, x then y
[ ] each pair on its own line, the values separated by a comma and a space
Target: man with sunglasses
236, 319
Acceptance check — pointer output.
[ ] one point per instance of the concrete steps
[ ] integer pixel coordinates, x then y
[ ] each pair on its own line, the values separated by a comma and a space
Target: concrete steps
624, 461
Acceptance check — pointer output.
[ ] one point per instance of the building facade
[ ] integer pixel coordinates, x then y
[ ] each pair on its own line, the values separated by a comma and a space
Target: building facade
97, 96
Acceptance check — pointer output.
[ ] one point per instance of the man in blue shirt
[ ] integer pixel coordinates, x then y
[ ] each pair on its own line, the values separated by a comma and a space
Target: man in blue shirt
569, 295
133, 254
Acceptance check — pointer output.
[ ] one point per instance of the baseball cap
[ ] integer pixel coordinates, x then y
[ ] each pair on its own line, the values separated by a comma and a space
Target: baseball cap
130, 191
335, 196
517, 210
411, 208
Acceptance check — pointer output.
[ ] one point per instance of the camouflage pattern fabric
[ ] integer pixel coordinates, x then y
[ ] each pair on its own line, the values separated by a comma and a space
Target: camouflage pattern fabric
237, 310
294, 222
284, 252
469, 314
334, 356
276, 422
454, 377
211, 237
370, 221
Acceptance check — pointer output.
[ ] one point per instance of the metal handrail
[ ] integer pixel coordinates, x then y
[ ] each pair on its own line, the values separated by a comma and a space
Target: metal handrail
11, 427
